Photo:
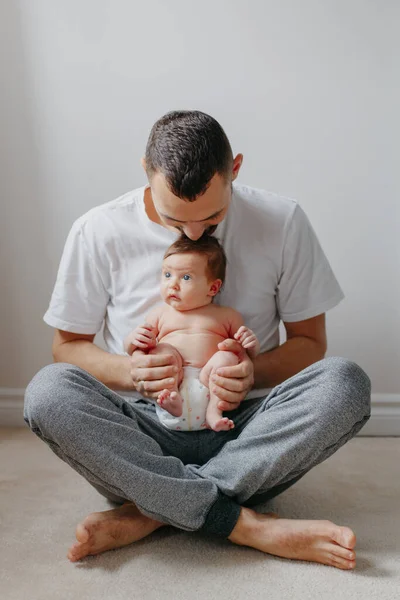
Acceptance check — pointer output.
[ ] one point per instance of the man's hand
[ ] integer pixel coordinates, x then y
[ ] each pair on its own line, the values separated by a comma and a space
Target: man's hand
232, 384
152, 373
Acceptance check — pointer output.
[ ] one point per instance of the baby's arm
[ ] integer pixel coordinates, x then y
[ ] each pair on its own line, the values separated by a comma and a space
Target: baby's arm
245, 336
144, 337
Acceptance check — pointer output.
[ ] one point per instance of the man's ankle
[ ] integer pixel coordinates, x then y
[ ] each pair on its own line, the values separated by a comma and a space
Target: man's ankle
243, 528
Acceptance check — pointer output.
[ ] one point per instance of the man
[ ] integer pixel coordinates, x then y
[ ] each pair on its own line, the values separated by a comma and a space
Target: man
292, 408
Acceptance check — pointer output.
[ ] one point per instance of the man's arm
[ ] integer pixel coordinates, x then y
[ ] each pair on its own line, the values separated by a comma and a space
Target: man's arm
306, 344
120, 373
78, 349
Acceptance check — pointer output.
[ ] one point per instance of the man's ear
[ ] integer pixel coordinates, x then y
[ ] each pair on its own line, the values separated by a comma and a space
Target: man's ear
215, 286
237, 163
143, 162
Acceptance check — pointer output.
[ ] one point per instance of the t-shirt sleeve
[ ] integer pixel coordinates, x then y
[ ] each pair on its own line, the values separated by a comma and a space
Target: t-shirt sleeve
79, 300
307, 286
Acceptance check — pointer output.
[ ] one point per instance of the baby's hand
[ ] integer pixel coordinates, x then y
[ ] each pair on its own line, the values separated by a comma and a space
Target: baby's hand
248, 339
143, 337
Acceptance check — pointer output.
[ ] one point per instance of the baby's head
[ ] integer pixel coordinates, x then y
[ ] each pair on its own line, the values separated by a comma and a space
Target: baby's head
193, 272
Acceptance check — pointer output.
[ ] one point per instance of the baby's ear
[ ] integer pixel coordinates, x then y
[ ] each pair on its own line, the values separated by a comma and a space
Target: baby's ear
215, 286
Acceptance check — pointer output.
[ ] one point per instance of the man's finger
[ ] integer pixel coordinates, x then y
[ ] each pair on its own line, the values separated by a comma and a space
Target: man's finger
153, 360
231, 346
156, 386
228, 396
155, 373
237, 371
233, 385
226, 406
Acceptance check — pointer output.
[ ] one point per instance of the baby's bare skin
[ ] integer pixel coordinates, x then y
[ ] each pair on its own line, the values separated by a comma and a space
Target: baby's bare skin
189, 326
314, 541
195, 335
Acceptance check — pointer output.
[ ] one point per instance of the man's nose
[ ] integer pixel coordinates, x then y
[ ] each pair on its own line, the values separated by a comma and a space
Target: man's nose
194, 231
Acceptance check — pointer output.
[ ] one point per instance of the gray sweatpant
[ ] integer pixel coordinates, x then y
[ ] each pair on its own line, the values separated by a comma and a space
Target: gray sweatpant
197, 480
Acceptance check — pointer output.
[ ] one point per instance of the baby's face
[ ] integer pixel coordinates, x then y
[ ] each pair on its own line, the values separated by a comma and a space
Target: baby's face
184, 283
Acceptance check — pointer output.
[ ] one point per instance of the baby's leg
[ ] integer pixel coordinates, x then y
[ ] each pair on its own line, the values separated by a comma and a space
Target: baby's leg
170, 399
214, 416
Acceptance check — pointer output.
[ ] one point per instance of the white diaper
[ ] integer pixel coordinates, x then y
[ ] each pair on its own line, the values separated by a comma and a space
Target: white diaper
195, 401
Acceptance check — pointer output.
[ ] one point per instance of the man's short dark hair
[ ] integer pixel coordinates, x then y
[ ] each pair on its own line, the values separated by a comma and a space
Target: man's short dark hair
207, 246
188, 147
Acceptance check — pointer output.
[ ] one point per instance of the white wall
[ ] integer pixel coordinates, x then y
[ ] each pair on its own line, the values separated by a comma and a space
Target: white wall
307, 91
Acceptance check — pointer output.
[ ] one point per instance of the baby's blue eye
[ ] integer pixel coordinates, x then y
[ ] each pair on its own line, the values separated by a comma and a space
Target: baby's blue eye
167, 274
186, 277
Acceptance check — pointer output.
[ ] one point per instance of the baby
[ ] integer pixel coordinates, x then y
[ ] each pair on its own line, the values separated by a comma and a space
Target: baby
190, 326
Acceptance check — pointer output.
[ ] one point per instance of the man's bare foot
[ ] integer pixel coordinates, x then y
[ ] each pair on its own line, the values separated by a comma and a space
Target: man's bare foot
222, 424
110, 529
171, 402
315, 541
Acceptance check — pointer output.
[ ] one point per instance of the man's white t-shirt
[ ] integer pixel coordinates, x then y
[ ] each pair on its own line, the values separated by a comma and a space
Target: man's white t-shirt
111, 267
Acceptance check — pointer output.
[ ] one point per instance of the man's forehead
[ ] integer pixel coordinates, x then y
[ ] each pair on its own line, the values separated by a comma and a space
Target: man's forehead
213, 201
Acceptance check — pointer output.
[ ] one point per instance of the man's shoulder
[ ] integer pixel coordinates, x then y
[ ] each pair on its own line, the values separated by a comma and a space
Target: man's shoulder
264, 199
115, 212
261, 215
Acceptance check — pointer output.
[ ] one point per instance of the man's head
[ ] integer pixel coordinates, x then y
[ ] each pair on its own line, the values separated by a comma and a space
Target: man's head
193, 272
190, 167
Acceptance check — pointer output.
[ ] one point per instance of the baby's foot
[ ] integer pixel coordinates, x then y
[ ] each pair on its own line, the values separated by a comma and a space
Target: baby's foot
171, 402
223, 424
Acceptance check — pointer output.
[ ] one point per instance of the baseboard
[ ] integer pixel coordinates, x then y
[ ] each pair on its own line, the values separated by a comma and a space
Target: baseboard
385, 416
384, 421
12, 407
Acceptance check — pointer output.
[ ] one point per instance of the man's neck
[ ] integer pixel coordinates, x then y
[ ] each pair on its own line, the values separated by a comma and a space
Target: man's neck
149, 207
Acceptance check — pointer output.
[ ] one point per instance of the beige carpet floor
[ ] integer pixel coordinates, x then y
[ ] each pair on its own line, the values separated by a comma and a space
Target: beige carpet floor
42, 499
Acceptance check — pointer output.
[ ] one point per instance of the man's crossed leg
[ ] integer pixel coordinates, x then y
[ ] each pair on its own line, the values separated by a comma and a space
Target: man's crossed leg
123, 449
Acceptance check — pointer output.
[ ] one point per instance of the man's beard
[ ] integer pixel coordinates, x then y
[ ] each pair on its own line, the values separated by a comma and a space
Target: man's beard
210, 230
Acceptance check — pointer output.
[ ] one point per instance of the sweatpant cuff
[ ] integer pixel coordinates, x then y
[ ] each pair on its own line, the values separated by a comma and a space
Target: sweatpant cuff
222, 516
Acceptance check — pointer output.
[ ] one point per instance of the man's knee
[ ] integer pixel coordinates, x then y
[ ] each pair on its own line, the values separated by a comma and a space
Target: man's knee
349, 385
44, 394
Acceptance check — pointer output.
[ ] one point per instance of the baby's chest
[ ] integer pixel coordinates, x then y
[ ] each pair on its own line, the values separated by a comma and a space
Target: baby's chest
192, 325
